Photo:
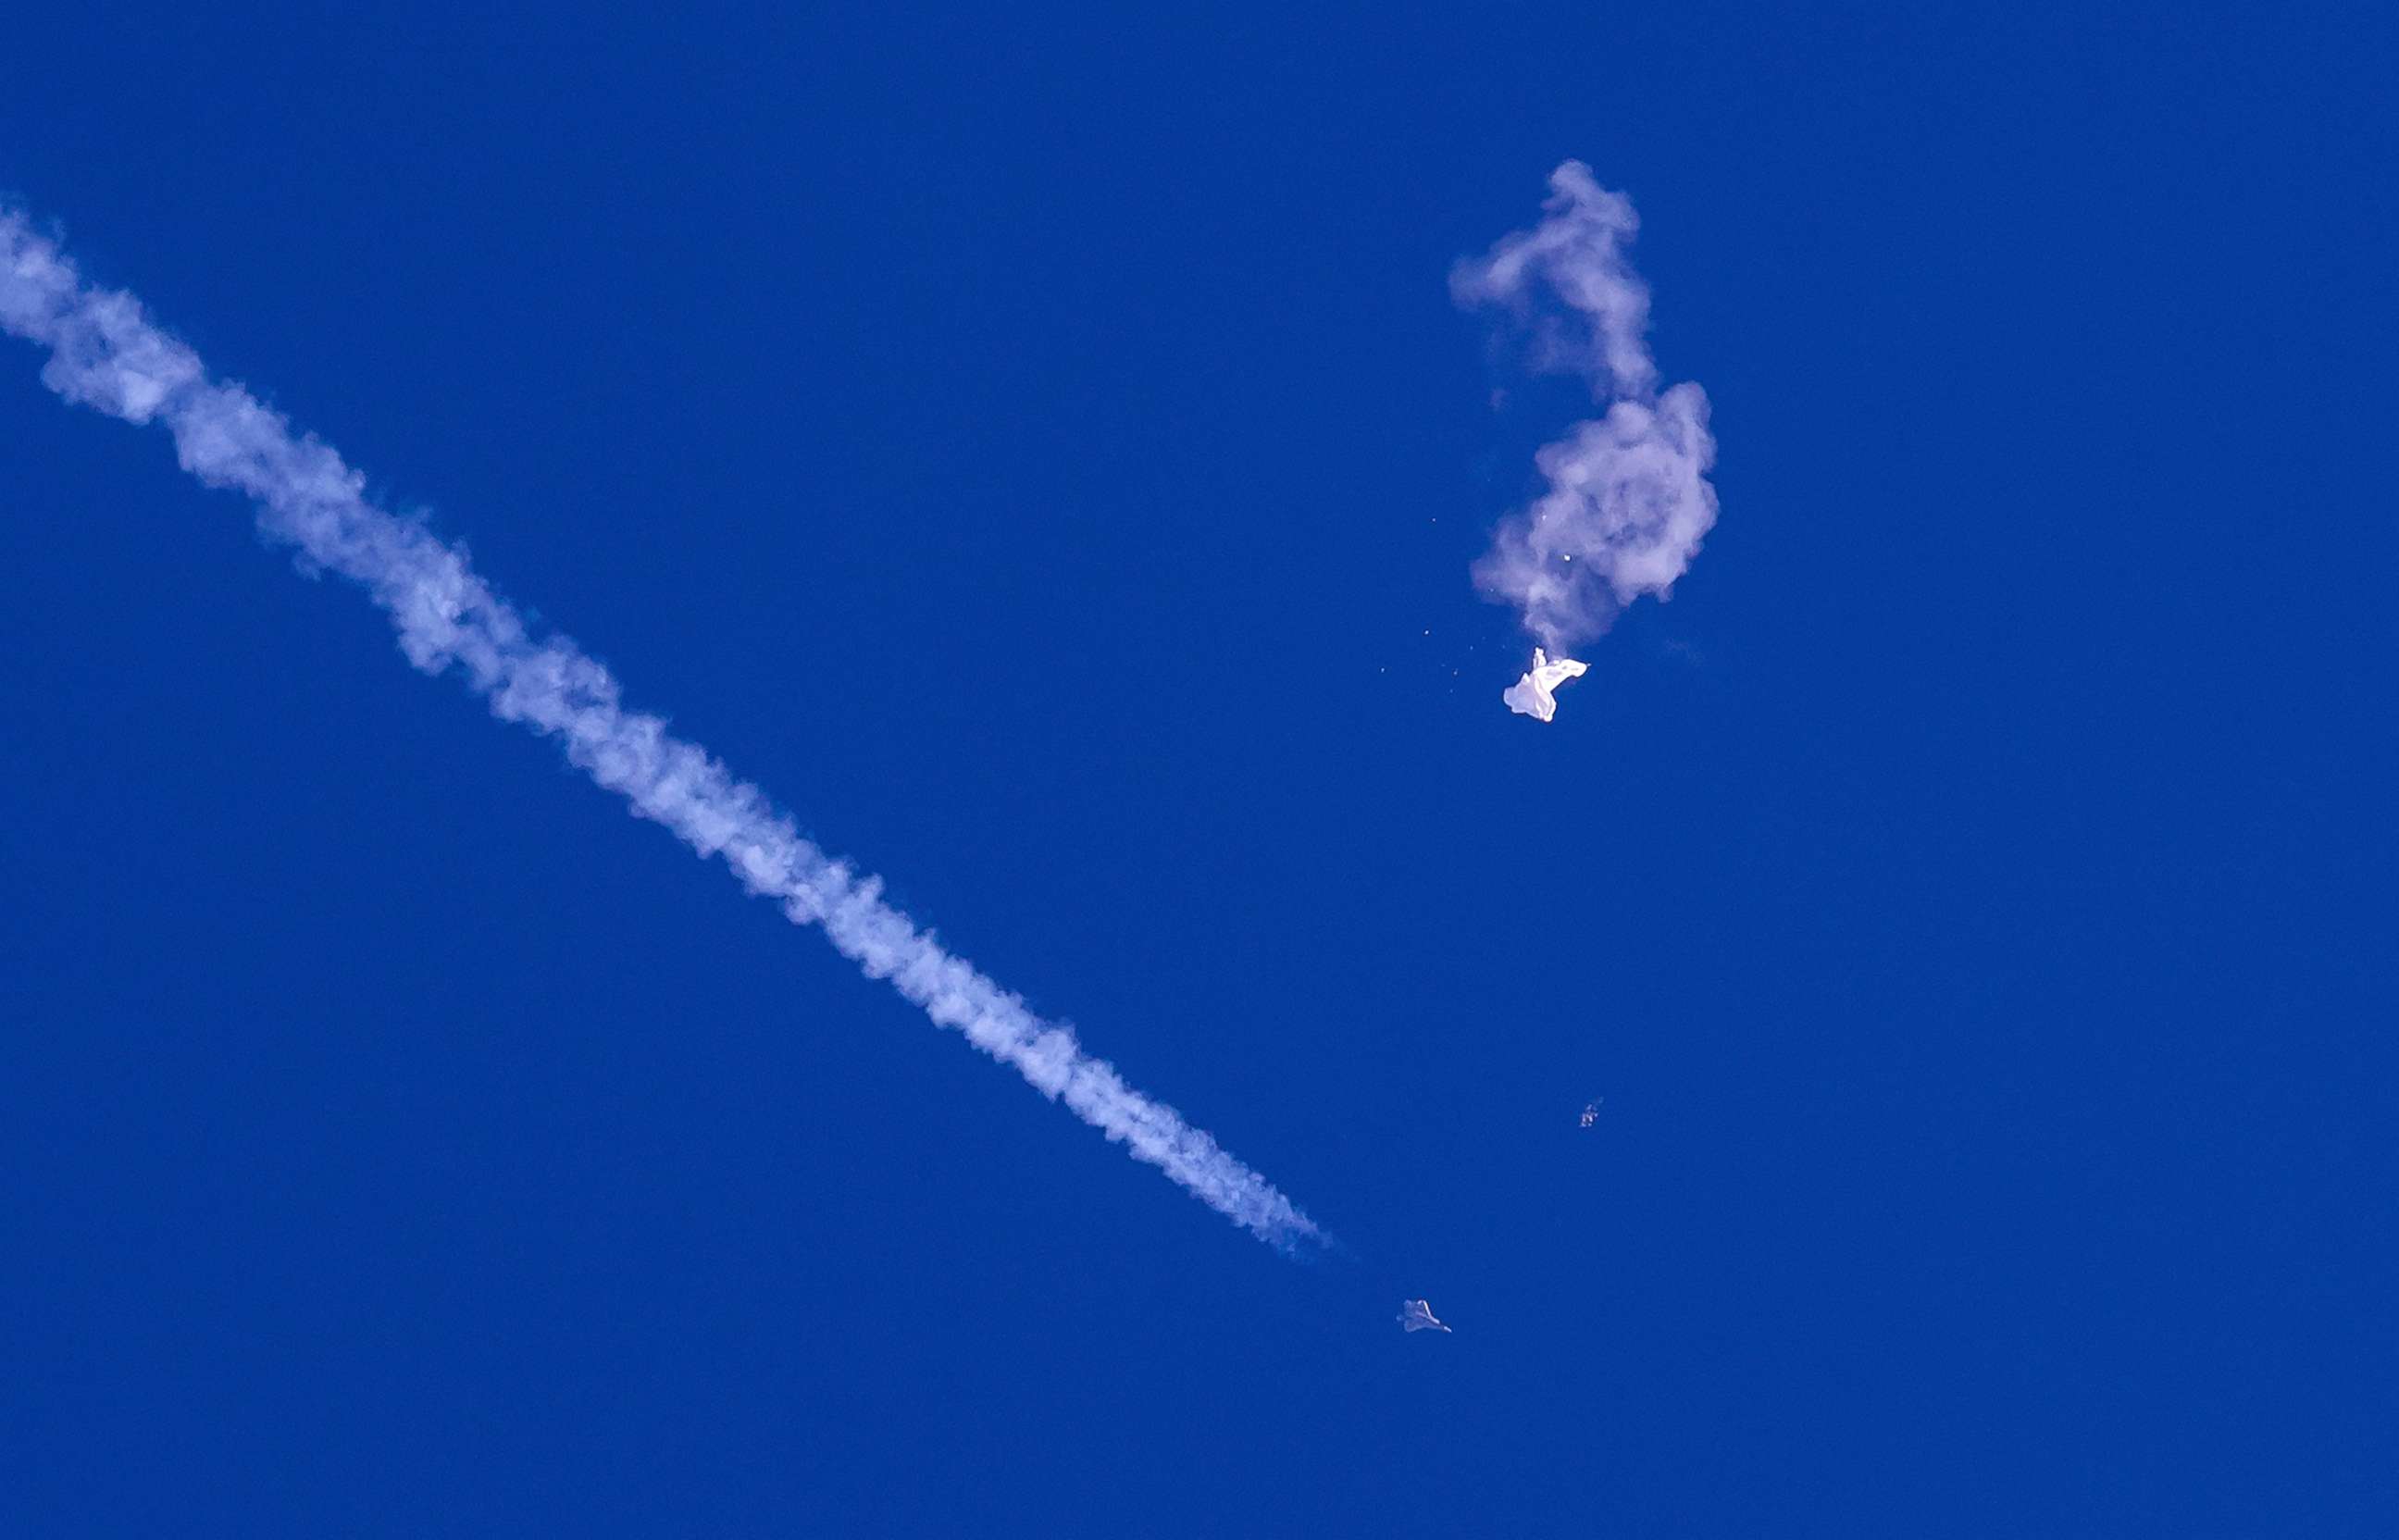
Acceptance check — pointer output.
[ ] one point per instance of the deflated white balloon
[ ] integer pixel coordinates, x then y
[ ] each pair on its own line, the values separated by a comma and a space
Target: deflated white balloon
1530, 696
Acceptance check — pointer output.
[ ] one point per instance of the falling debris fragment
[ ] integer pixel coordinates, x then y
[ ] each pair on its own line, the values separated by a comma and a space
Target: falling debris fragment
1591, 1112
1530, 696
1416, 1316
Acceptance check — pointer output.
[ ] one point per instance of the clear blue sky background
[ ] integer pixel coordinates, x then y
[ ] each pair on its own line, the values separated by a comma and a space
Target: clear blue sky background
1039, 448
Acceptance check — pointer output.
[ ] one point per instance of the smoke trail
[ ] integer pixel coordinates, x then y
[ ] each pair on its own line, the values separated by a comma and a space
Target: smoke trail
1628, 498
106, 354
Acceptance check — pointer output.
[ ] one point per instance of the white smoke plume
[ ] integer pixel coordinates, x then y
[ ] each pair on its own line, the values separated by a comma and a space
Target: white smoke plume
1628, 500
106, 354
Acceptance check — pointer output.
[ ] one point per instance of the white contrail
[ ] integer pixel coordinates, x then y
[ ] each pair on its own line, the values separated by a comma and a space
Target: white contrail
1628, 499
106, 354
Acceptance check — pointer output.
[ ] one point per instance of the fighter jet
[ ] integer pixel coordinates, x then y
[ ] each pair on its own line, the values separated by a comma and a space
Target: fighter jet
1530, 696
1416, 1316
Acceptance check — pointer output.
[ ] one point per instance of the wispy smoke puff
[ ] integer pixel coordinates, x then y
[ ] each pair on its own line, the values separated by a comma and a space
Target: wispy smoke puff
1628, 500
106, 354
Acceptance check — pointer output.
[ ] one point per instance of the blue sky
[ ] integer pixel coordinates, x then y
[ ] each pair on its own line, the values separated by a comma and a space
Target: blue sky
1043, 454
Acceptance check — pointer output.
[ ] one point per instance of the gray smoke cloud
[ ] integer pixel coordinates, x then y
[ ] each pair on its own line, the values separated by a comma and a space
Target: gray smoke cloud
107, 355
1628, 500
